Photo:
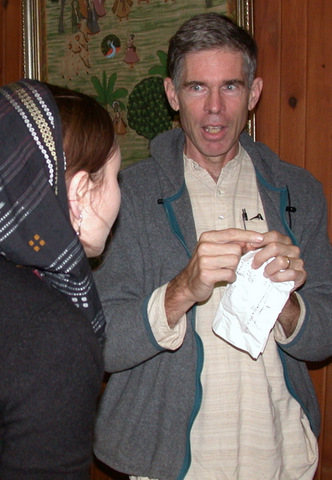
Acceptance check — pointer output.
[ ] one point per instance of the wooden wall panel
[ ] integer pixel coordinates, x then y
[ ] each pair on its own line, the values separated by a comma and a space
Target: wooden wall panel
293, 82
11, 67
319, 162
302, 132
319, 95
327, 438
267, 26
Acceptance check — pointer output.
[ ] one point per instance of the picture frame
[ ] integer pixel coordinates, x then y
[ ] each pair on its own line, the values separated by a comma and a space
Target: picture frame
57, 49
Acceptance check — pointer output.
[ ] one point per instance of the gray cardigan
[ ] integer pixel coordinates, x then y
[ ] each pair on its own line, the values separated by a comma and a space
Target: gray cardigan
153, 395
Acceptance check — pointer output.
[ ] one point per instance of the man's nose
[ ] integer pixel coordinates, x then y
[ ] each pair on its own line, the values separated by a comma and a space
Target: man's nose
214, 102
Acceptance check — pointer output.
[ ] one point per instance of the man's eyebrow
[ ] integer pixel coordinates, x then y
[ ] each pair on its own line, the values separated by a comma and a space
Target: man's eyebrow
235, 81
192, 82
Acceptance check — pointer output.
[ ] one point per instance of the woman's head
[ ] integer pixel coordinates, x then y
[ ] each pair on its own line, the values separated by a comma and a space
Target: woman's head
87, 132
92, 165
36, 225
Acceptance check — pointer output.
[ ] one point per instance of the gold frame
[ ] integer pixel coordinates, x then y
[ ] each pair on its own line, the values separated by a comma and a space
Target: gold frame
245, 14
32, 39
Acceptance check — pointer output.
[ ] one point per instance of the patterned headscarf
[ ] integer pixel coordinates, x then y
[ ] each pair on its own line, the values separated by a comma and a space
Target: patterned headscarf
35, 227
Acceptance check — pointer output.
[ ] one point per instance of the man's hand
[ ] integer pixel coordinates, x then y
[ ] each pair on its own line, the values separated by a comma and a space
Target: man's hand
215, 260
286, 265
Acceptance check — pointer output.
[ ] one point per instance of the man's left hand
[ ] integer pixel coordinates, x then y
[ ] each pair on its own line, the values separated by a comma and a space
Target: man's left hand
285, 266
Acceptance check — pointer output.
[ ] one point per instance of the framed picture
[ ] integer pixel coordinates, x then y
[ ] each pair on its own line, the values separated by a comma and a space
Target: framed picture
115, 51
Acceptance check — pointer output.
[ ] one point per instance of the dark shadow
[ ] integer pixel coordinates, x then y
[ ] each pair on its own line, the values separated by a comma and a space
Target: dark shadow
112, 474
319, 365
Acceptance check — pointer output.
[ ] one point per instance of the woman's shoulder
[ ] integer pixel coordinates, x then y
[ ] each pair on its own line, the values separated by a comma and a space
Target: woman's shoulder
28, 303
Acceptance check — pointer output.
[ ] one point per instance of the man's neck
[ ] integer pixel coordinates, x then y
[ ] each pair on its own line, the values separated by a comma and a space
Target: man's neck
214, 167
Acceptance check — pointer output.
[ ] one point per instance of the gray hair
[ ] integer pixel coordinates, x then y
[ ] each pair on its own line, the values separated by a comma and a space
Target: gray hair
209, 31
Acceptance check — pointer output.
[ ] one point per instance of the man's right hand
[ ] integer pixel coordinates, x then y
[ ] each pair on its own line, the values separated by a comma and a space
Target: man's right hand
215, 259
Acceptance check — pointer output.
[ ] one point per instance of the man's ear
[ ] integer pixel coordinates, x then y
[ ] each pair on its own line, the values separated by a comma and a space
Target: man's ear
78, 189
171, 93
255, 92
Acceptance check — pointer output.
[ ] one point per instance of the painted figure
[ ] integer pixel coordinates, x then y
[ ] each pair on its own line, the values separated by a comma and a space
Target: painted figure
121, 8
131, 56
118, 122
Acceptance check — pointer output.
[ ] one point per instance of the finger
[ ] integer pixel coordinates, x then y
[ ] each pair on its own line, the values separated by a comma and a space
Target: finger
279, 251
281, 263
217, 268
232, 235
288, 262
212, 249
297, 276
217, 275
248, 247
202, 274
274, 237
277, 270
227, 261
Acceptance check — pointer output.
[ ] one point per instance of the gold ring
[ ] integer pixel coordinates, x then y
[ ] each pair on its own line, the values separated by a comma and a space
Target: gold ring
288, 262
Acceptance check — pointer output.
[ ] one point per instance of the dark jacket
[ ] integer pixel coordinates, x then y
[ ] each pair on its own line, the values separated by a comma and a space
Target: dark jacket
153, 395
50, 376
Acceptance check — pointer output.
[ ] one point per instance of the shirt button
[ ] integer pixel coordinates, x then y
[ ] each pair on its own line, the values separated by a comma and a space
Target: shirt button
219, 193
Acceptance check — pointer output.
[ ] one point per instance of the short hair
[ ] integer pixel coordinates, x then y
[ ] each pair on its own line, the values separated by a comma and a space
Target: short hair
209, 31
87, 131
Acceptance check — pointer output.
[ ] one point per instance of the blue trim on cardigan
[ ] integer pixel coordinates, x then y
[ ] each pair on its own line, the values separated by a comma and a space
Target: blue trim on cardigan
283, 204
198, 398
282, 350
289, 386
167, 203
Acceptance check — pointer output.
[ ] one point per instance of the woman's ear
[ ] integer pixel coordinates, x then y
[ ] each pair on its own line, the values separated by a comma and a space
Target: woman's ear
77, 188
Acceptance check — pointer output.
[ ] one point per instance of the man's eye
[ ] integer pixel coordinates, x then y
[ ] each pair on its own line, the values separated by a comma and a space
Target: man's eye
196, 88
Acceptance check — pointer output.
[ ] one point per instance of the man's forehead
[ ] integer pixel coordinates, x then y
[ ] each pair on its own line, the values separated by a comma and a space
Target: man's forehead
213, 60
214, 50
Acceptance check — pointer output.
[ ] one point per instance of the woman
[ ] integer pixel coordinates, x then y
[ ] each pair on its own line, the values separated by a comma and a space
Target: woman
59, 197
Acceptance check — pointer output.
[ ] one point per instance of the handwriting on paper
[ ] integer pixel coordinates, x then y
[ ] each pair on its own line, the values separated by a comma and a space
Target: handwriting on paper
250, 307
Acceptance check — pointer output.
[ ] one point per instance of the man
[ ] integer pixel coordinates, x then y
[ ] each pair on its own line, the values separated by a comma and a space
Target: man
181, 402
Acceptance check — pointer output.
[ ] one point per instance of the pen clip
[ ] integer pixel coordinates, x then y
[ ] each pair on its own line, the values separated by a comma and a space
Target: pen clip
259, 216
244, 218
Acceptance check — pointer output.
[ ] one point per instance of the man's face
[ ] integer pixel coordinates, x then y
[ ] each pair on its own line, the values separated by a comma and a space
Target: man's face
213, 99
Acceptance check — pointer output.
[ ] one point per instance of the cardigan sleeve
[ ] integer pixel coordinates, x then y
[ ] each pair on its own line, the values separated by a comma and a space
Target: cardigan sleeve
313, 341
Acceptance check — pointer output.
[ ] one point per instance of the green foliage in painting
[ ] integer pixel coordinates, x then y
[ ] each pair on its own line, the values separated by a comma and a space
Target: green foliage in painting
162, 68
148, 110
106, 94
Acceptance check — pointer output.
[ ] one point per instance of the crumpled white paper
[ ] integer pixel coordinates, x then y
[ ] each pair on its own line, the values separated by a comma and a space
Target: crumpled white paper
250, 307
